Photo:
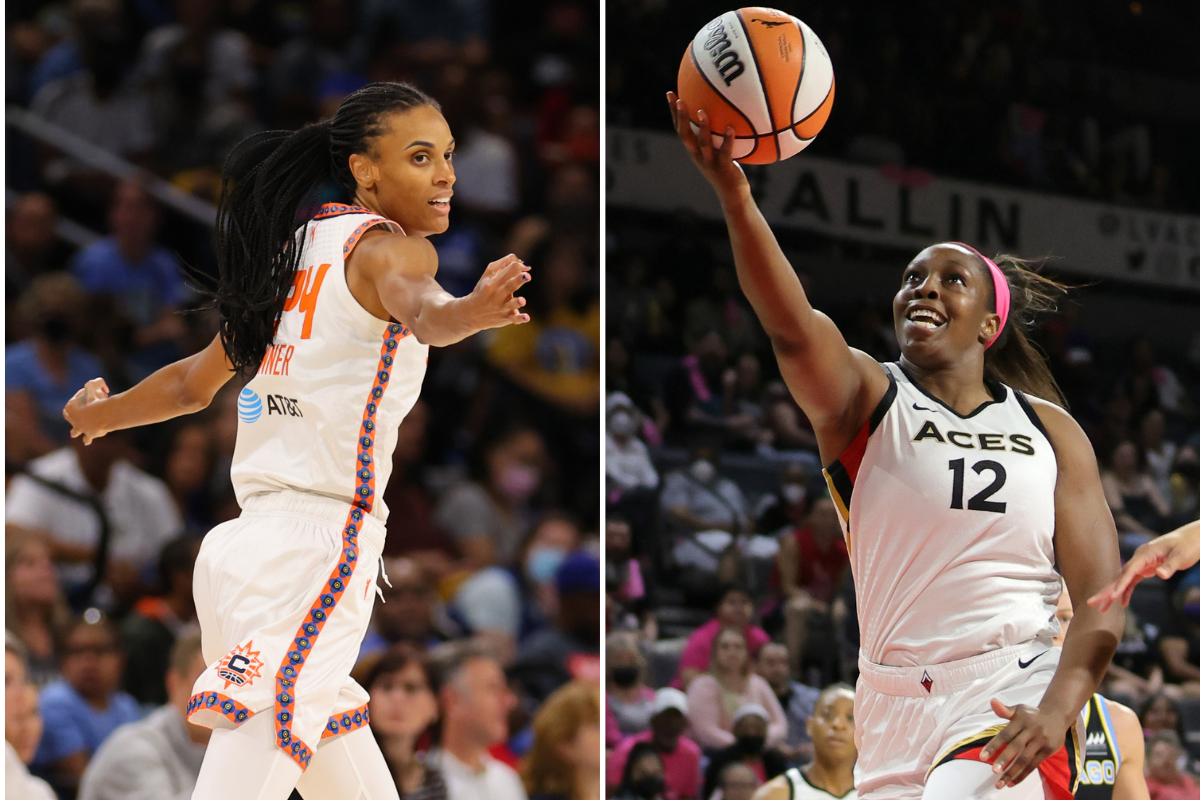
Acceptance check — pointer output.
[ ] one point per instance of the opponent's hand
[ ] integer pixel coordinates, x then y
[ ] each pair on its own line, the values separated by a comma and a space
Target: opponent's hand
1162, 557
1027, 740
492, 303
80, 410
716, 165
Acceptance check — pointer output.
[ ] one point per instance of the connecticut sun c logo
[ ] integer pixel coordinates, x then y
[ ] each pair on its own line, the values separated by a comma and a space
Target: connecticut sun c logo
240, 666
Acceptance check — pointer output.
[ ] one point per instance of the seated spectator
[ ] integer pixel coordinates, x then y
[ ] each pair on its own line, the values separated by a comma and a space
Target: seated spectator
627, 462
73, 493
403, 709
34, 606
1180, 642
624, 583
643, 776
408, 613
785, 508
678, 756
84, 708
1164, 776
44, 371
157, 621
796, 700
734, 609
144, 277
831, 773
1136, 503
812, 561
748, 748
737, 781
715, 697
790, 430
407, 498
475, 702
630, 702
698, 498
1160, 452
159, 756
1159, 712
565, 761
187, 472
693, 388
570, 649
31, 244
555, 537
22, 727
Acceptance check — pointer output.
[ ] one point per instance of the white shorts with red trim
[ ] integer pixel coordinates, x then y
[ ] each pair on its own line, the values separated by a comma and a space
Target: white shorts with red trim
284, 595
911, 719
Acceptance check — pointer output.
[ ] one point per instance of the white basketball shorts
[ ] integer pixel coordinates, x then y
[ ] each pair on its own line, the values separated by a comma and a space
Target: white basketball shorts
911, 719
284, 594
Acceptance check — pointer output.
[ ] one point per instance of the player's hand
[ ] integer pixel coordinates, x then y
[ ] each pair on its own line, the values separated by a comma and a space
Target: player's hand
492, 303
80, 410
716, 165
1162, 557
1027, 740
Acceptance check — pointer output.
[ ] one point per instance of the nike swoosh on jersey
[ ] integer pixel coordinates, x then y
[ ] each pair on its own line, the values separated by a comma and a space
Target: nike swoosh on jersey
1024, 664
922, 408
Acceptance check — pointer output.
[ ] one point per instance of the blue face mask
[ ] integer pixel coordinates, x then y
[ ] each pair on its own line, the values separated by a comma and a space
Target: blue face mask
542, 564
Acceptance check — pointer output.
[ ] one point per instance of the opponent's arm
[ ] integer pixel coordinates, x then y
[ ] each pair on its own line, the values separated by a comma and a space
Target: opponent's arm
1131, 780
1174, 551
184, 387
836, 386
1085, 543
402, 270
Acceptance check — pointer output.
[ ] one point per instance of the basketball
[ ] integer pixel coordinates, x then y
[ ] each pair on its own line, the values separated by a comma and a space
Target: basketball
765, 73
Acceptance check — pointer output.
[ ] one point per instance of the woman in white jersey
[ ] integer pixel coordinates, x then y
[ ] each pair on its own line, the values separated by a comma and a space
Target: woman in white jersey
958, 496
334, 320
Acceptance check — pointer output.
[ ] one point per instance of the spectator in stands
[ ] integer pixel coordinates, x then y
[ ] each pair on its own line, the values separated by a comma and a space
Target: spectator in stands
813, 561
31, 244
698, 498
409, 499
749, 748
158, 621
84, 708
403, 708
570, 649
627, 461
34, 608
796, 700
1180, 642
1164, 777
625, 583
715, 697
22, 727
73, 493
643, 776
1159, 451
160, 755
678, 756
565, 761
1136, 503
737, 781
144, 277
693, 389
831, 773
555, 536
475, 702
44, 371
630, 702
742, 396
734, 609
784, 509
187, 471
408, 613
1159, 712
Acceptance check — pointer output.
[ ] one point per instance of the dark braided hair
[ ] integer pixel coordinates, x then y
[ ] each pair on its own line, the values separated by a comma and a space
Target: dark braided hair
265, 183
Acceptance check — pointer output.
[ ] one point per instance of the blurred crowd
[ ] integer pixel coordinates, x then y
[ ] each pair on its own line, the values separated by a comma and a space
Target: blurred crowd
492, 622
1095, 100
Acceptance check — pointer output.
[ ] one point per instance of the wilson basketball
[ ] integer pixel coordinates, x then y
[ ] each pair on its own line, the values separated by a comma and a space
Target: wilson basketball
765, 73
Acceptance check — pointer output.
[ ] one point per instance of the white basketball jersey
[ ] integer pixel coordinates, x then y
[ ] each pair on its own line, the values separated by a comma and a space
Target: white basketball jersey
335, 381
950, 525
800, 788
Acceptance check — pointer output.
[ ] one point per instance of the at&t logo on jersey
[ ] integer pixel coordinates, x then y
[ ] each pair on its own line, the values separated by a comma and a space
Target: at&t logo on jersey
249, 405
283, 406
240, 666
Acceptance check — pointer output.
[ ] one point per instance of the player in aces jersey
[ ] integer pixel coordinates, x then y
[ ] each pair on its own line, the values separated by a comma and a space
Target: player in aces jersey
334, 320
961, 484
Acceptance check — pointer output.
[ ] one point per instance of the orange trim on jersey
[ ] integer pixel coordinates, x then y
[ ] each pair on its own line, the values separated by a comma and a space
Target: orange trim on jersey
356, 237
215, 701
337, 209
351, 720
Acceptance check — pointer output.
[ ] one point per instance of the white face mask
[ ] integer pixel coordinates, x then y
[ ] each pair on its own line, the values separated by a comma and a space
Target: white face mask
793, 493
621, 424
703, 470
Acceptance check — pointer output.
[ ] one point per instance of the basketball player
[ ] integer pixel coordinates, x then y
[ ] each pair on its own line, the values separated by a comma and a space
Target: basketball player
335, 321
1163, 557
1114, 747
831, 774
959, 485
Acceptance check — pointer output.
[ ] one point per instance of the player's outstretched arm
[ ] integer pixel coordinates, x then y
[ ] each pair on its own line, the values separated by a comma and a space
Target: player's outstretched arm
1085, 544
836, 386
1167, 554
402, 269
184, 387
1131, 778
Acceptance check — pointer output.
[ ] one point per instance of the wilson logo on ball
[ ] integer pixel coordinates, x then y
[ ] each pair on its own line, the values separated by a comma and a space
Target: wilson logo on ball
725, 61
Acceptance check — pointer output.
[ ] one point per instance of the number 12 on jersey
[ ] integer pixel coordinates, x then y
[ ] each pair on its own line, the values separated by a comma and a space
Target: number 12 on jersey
980, 501
304, 293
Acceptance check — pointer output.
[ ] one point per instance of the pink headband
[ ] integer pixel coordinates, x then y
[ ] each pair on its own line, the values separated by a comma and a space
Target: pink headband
1003, 296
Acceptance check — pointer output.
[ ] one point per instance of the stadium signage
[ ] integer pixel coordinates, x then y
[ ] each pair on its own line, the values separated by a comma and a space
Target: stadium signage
909, 208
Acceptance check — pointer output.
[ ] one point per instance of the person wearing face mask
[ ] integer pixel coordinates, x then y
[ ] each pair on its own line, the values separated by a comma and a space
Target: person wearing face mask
643, 776
749, 748
627, 461
678, 755
42, 372
785, 507
830, 776
630, 702
698, 498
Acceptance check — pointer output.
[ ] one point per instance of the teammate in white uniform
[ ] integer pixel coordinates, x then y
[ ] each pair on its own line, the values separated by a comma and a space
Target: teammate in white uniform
830, 776
334, 320
961, 486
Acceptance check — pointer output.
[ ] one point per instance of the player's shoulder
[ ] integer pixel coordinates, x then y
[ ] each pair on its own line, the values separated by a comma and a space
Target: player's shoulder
1125, 722
381, 250
778, 788
1056, 423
